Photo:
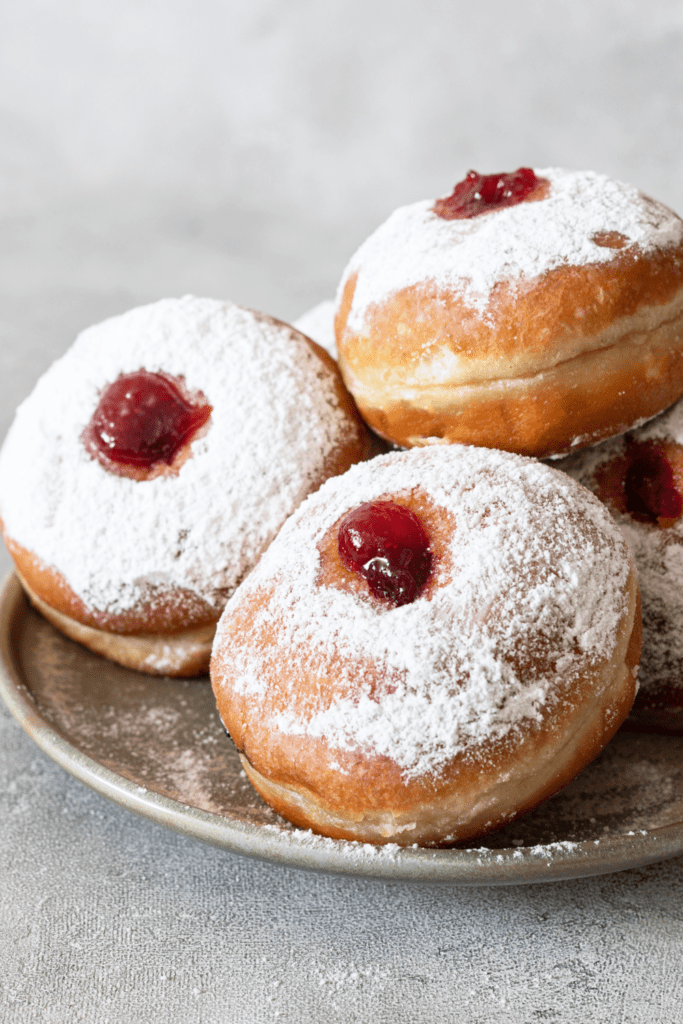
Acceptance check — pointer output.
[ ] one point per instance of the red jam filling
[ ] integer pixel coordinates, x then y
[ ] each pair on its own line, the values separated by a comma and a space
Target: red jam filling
479, 193
143, 419
386, 544
650, 489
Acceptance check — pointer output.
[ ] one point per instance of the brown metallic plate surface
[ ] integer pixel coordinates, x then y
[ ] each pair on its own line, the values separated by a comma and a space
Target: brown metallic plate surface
157, 747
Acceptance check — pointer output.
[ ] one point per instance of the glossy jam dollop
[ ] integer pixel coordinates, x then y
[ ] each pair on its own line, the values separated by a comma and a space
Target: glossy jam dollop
387, 545
650, 489
479, 193
143, 419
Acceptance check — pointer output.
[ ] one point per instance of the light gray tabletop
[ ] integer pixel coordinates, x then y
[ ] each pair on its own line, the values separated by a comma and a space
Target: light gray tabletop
243, 151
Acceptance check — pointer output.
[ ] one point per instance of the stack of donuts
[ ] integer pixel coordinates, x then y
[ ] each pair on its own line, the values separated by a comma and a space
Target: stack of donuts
418, 646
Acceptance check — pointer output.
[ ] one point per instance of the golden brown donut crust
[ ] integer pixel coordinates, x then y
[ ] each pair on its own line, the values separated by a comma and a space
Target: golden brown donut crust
580, 355
360, 795
184, 653
167, 611
371, 802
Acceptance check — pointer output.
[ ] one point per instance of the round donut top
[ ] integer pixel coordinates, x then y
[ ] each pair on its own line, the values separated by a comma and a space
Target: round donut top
529, 590
275, 420
515, 243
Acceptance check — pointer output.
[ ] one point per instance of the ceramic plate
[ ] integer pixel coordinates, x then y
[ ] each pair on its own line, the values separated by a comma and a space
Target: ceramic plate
157, 747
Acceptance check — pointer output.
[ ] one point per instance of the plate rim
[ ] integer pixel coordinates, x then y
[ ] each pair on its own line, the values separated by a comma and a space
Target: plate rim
302, 850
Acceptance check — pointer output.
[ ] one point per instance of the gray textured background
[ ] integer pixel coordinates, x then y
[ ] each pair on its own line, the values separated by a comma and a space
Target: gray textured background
152, 148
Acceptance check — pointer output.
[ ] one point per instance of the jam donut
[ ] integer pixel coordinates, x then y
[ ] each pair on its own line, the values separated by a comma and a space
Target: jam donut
155, 461
435, 642
537, 312
640, 479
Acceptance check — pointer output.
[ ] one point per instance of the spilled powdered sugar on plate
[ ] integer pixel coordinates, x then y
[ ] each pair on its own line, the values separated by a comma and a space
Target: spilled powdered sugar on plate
537, 576
164, 735
515, 243
274, 422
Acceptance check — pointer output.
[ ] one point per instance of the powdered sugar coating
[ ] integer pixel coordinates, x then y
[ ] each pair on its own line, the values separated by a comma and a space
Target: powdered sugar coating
537, 577
516, 243
657, 553
275, 420
318, 323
